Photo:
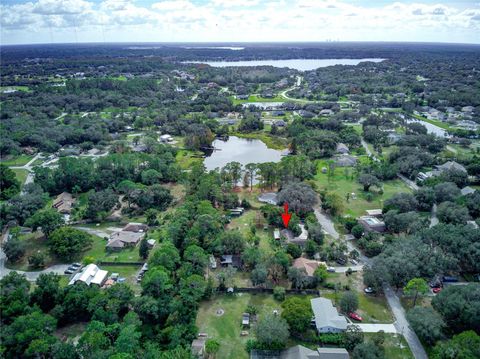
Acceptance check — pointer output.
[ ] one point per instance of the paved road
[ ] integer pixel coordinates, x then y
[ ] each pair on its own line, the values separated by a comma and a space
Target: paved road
408, 182
402, 325
343, 269
375, 328
326, 223
369, 153
31, 276
95, 232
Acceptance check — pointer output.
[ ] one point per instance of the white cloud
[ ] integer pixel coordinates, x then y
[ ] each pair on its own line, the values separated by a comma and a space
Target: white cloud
248, 20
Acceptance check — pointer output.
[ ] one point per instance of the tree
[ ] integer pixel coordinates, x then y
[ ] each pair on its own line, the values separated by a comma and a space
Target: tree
367, 180
279, 293
298, 314
100, 203
459, 307
25, 332
196, 257
416, 287
251, 171
67, 242
166, 255
320, 274
272, 331
353, 336
14, 249
446, 191
298, 277
47, 293
300, 196
192, 289
367, 351
15, 296
47, 219
211, 347
349, 302
315, 232
231, 242
128, 340
357, 231
402, 202
427, 323
259, 274
37, 260
143, 249
462, 346
9, 185
151, 216
449, 212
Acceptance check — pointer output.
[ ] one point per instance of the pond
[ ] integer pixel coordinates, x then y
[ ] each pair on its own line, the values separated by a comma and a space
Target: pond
297, 64
431, 128
242, 150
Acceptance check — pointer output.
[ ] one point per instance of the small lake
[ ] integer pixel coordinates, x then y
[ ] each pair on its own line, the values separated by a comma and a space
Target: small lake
242, 150
296, 64
440, 132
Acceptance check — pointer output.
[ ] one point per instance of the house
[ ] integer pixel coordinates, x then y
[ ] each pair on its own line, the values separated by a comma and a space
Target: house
63, 203
345, 160
301, 352
327, 319
280, 123
393, 138
450, 165
166, 138
308, 265
135, 227
377, 213
342, 148
213, 262
467, 190
151, 243
300, 240
269, 198
371, 224
326, 112
230, 260
467, 109
122, 239
90, 274
242, 97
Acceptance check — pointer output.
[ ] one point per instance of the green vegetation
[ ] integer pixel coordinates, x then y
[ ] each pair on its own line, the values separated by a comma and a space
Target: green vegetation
20, 160
20, 174
272, 142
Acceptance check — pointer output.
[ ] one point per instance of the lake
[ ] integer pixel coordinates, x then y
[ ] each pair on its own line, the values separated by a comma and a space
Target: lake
440, 132
297, 64
242, 150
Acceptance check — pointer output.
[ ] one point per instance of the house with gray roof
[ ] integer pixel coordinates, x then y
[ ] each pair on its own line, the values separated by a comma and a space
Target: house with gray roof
345, 160
301, 352
451, 165
342, 148
467, 190
268, 197
327, 319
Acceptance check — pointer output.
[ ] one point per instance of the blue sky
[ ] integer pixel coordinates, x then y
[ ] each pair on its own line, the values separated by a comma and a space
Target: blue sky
59, 21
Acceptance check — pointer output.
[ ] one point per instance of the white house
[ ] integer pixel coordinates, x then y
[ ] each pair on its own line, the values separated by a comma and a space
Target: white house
90, 274
327, 319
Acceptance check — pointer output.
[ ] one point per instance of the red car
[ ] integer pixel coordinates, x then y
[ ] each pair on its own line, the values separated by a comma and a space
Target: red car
355, 316
436, 290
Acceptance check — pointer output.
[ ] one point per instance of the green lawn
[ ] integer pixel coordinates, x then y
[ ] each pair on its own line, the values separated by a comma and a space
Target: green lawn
276, 143
20, 174
343, 182
18, 88
258, 98
99, 252
395, 346
186, 159
226, 328
20, 160
372, 309
440, 124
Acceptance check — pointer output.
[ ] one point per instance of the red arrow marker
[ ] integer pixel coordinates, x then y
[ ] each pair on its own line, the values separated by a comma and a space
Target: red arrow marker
286, 216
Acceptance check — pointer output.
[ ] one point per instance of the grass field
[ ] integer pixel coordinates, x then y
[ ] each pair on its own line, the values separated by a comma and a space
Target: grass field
395, 346
21, 175
258, 98
186, 159
16, 161
227, 327
343, 183
99, 252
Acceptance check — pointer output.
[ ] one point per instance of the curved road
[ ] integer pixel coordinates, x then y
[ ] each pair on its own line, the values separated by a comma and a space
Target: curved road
401, 323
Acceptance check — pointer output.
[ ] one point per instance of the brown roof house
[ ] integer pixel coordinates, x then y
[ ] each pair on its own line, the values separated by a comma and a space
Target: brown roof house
123, 239
135, 227
64, 203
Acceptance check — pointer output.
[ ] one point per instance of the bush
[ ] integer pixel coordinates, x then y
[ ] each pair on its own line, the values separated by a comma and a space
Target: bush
279, 293
357, 231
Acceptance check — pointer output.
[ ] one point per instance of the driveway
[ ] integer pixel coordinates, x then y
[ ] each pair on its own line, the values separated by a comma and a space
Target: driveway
408, 182
402, 324
357, 268
326, 223
375, 328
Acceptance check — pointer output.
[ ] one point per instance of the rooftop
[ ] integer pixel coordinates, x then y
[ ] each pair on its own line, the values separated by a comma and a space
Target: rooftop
326, 314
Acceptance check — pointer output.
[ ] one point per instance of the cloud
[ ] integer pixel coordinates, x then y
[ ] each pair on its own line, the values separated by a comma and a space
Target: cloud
248, 20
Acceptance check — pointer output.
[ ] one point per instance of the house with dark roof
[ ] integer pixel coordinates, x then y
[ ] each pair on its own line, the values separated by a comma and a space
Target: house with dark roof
345, 160
342, 148
451, 165
371, 224
63, 203
122, 239
301, 352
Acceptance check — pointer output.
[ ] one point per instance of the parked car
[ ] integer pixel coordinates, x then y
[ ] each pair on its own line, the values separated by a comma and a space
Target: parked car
76, 265
354, 262
68, 271
355, 316
437, 290
331, 269
369, 290
450, 279
341, 261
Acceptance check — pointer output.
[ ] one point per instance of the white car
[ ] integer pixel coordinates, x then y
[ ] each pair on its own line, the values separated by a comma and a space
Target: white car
331, 269
369, 290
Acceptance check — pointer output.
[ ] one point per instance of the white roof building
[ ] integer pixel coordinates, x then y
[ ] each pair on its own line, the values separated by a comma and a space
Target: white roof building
90, 274
327, 319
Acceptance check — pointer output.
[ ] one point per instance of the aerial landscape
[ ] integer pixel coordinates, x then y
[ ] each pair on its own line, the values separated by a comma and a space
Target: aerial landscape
211, 197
